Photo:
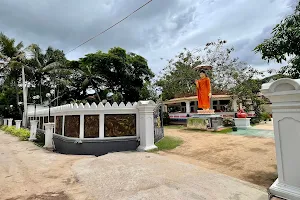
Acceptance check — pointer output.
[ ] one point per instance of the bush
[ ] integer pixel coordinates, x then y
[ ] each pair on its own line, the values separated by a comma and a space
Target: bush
265, 116
228, 122
22, 133
255, 120
166, 118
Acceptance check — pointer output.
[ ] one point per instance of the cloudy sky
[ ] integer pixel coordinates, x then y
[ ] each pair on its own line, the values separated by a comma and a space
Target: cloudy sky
159, 30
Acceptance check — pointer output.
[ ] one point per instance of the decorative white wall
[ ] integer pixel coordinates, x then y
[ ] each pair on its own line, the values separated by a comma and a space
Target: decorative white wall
142, 110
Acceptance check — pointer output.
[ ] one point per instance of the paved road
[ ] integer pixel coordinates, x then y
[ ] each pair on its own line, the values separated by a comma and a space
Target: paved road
28, 172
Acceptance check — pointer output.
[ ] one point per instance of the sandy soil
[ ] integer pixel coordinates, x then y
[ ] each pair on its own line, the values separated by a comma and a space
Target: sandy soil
248, 158
30, 172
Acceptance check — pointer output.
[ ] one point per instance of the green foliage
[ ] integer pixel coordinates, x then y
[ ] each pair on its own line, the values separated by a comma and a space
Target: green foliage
265, 116
255, 120
23, 134
168, 143
228, 122
284, 43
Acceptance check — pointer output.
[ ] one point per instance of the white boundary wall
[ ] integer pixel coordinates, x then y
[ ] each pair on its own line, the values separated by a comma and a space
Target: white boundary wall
141, 108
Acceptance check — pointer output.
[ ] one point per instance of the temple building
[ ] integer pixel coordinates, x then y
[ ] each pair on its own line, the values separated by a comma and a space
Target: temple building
225, 105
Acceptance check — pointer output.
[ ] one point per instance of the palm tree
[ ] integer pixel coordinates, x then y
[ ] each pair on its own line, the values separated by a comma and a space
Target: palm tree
14, 57
51, 66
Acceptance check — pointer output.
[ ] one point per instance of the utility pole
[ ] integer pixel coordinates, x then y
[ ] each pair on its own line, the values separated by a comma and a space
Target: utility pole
24, 97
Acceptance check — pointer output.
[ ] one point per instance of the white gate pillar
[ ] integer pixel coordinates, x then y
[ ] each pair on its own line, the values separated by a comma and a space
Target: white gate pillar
285, 97
18, 124
188, 107
5, 122
146, 126
33, 128
49, 135
9, 122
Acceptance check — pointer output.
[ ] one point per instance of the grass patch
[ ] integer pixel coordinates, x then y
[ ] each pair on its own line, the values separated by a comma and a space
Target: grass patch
225, 131
168, 143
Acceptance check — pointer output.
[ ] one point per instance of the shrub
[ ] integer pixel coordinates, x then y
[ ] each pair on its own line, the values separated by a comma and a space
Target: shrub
22, 133
265, 116
228, 122
254, 120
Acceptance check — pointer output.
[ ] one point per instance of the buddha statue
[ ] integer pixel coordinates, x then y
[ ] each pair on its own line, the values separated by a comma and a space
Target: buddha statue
203, 91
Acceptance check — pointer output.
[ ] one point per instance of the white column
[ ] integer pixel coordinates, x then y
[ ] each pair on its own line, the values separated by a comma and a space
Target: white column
146, 127
9, 123
101, 126
285, 97
5, 122
33, 128
81, 129
234, 104
18, 124
49, 135
188, 107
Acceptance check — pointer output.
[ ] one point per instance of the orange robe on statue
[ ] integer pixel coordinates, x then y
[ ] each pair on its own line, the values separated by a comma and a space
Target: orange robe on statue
203, 90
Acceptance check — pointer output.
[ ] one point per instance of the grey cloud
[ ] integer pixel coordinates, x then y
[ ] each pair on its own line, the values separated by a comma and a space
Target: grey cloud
159, 30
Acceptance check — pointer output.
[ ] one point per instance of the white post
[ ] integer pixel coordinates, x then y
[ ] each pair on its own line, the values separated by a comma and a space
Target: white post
9, 122
49, 135
146, 127
33, 128
81, 129
188, 107
285, 97
18, 124
5, 122
101, 126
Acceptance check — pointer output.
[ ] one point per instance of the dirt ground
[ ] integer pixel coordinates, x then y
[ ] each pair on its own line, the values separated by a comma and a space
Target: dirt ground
28, 172
31, 173
247, 158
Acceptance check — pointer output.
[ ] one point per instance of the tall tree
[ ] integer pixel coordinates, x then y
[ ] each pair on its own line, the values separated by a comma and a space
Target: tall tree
120, 72
284, 44
14, 56
179, 75
50, 68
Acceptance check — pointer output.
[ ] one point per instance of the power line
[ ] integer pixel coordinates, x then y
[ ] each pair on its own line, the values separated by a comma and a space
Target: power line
110, 26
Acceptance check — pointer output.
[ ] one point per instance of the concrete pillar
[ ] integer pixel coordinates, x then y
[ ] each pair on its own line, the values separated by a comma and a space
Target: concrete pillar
101, 126
18, 124
33, 128
234, 104
49, 135
146, 126
285, 97
5, 122
188, 107
9, 122
81, 127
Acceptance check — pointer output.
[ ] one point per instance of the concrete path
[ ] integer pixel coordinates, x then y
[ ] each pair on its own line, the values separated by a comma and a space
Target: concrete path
29, 172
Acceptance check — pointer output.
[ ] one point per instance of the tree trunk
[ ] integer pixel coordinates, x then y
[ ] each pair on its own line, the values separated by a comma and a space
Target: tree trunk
18, 98
41, 98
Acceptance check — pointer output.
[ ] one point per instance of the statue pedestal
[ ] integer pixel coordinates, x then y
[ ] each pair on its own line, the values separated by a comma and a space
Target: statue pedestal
206, 112
243, 123
205, 121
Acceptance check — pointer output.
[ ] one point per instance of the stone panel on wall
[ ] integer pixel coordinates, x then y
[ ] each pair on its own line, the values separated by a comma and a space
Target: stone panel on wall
91, 126
72, 126
58, 125
118, 125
